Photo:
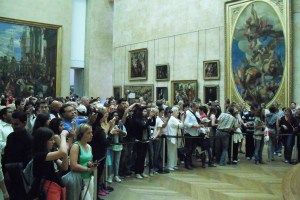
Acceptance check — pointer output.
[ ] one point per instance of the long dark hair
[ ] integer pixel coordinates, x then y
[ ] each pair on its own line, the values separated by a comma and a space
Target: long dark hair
97, 123
54, 125
40, 121
40, 139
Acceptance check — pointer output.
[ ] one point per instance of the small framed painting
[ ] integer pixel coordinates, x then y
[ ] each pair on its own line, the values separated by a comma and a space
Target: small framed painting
211, 93
162, 72
211, 70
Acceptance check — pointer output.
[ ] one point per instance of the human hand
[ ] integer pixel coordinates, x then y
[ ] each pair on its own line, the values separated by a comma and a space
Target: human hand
64, 133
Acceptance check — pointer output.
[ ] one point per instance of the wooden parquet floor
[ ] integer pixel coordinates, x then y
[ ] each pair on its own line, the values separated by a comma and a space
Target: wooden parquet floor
244, 181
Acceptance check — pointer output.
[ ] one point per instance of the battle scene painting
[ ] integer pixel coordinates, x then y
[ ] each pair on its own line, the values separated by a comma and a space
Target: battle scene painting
28, 60
258, 53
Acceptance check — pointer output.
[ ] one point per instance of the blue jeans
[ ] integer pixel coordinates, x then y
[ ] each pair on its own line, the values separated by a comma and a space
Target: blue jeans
223, 137
157, 154
259, 146
150, 155
115, 158
271, 147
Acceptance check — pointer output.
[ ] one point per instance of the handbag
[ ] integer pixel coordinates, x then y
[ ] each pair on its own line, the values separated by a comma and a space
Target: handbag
73, 182
182, 150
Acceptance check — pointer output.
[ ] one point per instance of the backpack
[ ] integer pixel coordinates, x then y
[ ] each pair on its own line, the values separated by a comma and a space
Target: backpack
27, 176
33, 186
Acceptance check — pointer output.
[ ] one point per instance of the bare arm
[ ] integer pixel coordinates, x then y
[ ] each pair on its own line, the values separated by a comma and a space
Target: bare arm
62, 151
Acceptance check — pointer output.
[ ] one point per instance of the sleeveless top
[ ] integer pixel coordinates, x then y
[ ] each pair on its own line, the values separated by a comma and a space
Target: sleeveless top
85, 157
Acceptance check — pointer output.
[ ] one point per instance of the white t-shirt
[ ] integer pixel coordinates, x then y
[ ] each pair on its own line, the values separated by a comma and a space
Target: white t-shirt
158, 124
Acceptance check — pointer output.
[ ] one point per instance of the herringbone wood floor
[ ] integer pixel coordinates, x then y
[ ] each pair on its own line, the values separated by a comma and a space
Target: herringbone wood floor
243, 181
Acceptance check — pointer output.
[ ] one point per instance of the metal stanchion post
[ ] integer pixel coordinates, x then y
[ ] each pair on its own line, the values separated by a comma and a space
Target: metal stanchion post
164, 151
295, 151
231, 152
95, 183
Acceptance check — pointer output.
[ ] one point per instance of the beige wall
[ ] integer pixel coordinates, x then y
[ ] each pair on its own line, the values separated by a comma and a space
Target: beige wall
181, 33
56, 12
98, 50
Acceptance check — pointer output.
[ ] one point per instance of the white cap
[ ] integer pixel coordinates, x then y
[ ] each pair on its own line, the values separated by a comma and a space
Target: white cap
82, 109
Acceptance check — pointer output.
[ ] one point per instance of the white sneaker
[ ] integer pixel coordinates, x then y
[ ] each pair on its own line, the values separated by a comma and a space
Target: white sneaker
109, 179
175, 168
151, 174
279, 154
138, 176
145, 175
117, 179
170, 168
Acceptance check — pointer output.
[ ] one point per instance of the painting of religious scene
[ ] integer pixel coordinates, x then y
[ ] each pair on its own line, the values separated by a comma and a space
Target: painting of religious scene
258, 53
184, 90
211, 70
28, 59
134, 92
138, 64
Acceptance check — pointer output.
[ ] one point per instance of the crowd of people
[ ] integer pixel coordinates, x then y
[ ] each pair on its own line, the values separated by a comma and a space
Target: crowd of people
65, 139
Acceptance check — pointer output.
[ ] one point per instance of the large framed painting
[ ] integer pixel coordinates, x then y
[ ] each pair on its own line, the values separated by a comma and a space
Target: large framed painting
117, 91
138, 64
211, 93
258, 51
30, 58
162, 72
162, 93
132, 92
211, 70
184, 90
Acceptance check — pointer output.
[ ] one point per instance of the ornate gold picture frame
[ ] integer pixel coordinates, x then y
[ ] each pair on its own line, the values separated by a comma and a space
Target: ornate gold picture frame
134, 92
162, 72
211, 70
184, 90
258, 51
138, 64
30, 58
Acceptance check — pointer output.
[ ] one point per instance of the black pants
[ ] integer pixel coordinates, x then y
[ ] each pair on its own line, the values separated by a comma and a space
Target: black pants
190, 144
99, 175
126, 158
249, 145
141, 155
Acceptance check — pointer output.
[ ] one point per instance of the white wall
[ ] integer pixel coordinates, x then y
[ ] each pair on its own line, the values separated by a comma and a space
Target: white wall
183, 34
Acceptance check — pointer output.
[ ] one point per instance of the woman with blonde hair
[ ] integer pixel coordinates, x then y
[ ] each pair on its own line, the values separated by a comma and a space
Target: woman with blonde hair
81, 158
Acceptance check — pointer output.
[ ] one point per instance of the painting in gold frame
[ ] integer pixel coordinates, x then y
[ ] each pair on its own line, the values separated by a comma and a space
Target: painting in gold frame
211, 70
138, 64
186, 90
258, 51
30, 58
134, 92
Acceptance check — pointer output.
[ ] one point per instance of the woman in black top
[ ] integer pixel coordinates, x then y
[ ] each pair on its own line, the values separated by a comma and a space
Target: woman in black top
99, 146
288, 126
46, 163
142, 131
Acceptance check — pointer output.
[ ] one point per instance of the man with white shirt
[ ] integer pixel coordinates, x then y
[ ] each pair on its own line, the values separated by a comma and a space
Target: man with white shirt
191, 126
5, 125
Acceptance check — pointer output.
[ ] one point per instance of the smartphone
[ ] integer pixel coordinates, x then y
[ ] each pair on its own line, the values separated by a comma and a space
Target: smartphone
96, 162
